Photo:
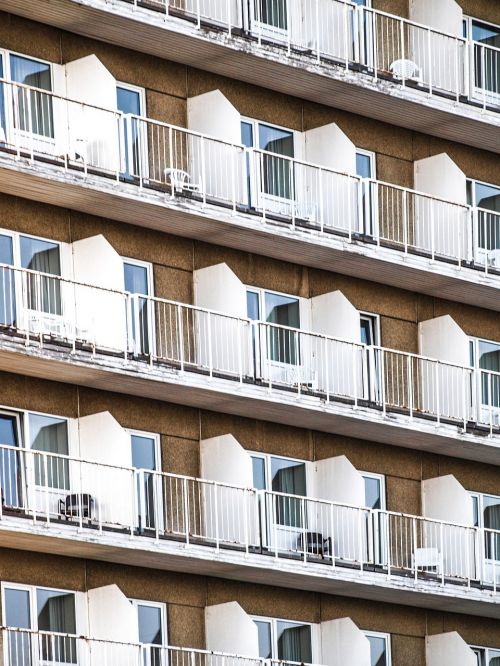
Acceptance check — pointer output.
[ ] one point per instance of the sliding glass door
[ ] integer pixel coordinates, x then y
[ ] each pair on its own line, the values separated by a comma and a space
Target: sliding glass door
7, 282
11, 487
486, 61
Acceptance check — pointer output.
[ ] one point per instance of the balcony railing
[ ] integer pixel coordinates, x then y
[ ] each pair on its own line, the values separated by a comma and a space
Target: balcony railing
381, 45
40, 307
23, 647
183, 165
61, 491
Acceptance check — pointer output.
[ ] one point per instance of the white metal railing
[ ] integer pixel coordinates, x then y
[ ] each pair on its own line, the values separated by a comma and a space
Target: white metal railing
61, 490
23, 647
180, 163
41, 307
384, 45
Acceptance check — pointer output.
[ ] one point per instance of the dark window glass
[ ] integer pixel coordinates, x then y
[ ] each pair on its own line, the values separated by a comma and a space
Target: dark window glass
272, 13
289, 477
259, 473
264, 632
150, 625
56, 613
378, 651
283, 345
276, 172
294, 642
373, 493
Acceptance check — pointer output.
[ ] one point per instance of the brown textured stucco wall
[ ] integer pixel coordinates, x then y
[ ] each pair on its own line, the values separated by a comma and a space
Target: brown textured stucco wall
187, 596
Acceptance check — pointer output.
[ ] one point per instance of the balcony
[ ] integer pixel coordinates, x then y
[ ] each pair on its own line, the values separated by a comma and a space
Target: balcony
64, 505
418, 73
132, 169
67, 331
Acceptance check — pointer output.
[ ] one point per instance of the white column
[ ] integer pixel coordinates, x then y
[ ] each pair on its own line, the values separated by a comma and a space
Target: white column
445, 389
337, 480
229, 629
219, 168
230, 514
338, 364
94, 132
224, 342
342, 642
445, 499
110, 482
100, 314
448, 650
333, 193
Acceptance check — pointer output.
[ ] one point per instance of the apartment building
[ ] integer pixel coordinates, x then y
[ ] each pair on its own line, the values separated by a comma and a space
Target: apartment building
249, 332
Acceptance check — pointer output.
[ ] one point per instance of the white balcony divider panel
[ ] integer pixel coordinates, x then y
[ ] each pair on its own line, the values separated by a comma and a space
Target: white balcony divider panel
337, 480
229, 514
111, 618
448, 649
444, 16
101, 316
444, 388
335, 196
229, 629
439, 227
215, 166
337, 366
452, 547
342, 642
93, 130
218, 288
113, 488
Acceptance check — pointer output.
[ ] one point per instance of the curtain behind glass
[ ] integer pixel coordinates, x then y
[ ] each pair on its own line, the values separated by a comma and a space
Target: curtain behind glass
288, 477
273, 13
17, 614
56, 613
276, 172
491, 517
32, 108
294, 642
44, 293
489, 359
50, 435
282, 344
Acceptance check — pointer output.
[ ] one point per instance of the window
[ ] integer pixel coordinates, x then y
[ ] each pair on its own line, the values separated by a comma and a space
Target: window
486, 512
281, 345
40, 609
139, 282
131, 101
146, 458
151, 618
370, 329
282, 475
366, 169
485, 357
486, 38
374, 490
380, 648
365, 164
486, 656
486, 198
284, 640
274, 171
50, 435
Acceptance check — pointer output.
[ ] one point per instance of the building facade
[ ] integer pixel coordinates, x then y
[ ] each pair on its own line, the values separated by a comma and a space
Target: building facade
249, 332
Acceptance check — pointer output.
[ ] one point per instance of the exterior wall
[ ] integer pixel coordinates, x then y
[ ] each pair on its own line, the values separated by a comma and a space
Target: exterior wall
181, 428
187, 596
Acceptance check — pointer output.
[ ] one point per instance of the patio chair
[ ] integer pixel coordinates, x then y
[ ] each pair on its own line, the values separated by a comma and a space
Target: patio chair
315, 543
77, 505
180, 180
406, 70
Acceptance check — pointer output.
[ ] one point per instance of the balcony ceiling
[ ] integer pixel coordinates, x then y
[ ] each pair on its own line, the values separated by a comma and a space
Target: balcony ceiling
126, 203
174, 39
169, 555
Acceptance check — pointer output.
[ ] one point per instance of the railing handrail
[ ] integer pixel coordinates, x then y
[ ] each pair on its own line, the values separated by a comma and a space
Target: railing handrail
244, 490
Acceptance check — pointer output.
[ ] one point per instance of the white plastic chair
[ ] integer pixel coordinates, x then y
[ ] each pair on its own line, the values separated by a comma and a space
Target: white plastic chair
180, 180
406, 70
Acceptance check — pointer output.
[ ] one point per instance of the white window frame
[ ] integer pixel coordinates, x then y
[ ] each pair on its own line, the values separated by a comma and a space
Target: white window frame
137, 89
267, 457
484, 653
274, 642
148, 265
478, 93
387, 638
16, 245
261, 293
372, 155
374, 320
475, 366
151, 435
162, 606
6, 53
382, 480
32, 589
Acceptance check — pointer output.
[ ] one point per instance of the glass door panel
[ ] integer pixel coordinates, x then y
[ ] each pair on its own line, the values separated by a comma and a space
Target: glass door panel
17, 614
487, 199
276, 176
378, 651
48, 474
150, 633
294, 642
10, 463
486, 61
137, 284
129, 102
56, 614
7, 283
144, 459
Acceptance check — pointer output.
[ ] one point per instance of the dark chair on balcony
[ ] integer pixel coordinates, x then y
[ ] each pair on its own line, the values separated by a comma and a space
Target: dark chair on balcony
77, 505
315, 543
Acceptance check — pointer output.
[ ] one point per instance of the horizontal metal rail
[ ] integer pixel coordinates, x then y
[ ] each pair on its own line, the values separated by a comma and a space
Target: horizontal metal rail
181, 164
62, 492
384, 45
43, 308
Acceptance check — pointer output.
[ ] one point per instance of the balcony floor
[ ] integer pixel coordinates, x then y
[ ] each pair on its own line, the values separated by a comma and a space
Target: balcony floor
269, 66
100, 196
195, 389
168, 554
